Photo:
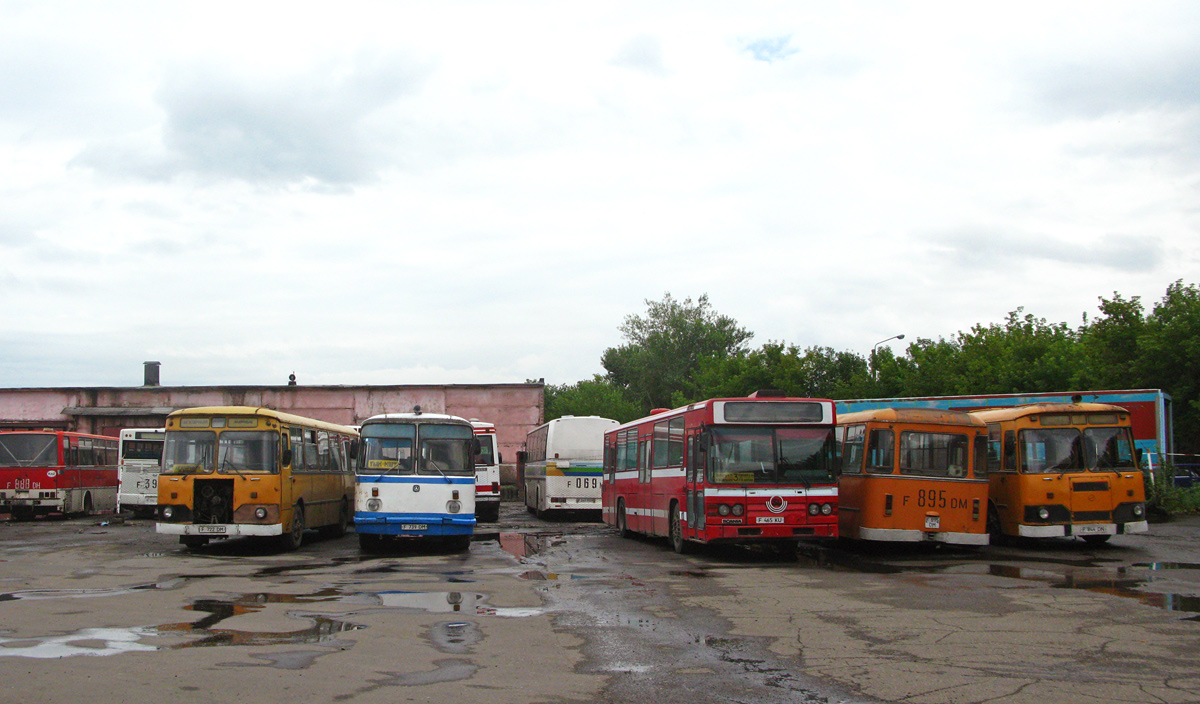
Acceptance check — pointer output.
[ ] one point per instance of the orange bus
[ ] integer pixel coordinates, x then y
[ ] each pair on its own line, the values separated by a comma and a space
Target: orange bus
241, 471
56, 471
912, 475
1063, 469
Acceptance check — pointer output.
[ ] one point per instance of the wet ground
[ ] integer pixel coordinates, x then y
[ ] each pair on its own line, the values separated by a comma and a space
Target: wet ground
564, 610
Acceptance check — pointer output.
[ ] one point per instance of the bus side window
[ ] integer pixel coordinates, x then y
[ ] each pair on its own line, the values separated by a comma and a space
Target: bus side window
881, 451
297, 448
851, 450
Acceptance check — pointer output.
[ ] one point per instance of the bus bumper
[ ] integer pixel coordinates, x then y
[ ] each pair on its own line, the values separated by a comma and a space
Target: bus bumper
410, 524
217, 530
919, 536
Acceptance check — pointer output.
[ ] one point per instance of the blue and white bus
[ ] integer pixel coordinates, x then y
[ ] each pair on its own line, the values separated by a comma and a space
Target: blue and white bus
415, 478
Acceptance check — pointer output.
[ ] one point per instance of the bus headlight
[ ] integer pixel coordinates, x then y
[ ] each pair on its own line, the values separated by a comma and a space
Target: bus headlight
826, 509
374, 504
168, 512
814, 509
260, 513
1138, 510
738, 509
453, 506
723, 509
1044, 513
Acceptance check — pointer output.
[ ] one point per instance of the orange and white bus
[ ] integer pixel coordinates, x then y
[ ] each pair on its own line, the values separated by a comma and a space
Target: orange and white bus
913, 475
241, 471
755, 469
56, 471
1063, 469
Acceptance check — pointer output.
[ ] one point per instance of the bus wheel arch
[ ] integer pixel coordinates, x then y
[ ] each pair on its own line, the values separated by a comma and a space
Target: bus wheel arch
88, 506
622, 520
293, 535
675, 531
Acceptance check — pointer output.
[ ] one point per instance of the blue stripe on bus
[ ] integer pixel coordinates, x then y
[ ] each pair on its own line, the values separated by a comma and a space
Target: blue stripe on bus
423, 479
436, 523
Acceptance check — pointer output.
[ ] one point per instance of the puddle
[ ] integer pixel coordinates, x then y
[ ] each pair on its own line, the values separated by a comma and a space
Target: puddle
522, 545
89, 642
323, 628
455, 637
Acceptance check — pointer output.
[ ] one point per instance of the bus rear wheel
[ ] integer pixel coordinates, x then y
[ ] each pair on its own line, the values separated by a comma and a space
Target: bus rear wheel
675, 532
338, 529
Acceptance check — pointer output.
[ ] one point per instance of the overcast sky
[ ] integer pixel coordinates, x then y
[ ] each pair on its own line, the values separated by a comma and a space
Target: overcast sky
459, 192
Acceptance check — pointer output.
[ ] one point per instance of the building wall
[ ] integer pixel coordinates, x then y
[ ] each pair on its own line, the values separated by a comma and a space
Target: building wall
515, 409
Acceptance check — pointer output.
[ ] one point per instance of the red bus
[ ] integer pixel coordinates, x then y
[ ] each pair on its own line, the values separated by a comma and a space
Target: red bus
739, 470
55, 471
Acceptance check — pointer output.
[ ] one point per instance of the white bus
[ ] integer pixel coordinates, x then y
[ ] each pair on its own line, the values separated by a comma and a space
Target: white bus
487, 473
415, 478
140, 452
563, 464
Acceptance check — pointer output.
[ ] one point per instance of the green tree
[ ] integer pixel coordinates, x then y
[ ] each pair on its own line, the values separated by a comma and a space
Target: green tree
665, 347
1168, 350
591, 397
1111, 346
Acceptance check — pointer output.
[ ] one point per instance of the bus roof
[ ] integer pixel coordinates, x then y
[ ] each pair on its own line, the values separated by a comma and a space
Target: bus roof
660, 413
417, 417
264, 412
1014, 412
931, 416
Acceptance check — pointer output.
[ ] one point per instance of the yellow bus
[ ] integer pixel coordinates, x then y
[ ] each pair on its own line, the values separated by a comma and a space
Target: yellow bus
232, 471
913, 475
1063, 469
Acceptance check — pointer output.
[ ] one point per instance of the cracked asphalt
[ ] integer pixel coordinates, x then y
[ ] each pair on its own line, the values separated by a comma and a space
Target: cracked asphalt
565, 611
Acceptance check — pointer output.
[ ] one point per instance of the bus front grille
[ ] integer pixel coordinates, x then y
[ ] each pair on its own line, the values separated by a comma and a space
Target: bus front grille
213, 501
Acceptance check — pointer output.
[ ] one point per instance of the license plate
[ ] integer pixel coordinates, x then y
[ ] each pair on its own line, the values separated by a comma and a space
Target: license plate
1091, 530
414, 526
769, 519
210, 529
933, 522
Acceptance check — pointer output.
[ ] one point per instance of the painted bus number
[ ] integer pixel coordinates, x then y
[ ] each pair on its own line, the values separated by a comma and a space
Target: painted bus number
587, 482
935, 498
25, 484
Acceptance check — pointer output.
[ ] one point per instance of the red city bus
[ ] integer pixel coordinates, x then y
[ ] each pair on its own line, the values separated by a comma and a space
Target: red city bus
737, 470
55, 471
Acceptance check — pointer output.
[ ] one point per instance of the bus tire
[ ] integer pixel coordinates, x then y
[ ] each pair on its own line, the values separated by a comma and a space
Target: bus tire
994, 529
369, 542
338, 529
622, 521
294, 535
675, 532
460, 543
489, 512
192, 542
88, 508
1095, 539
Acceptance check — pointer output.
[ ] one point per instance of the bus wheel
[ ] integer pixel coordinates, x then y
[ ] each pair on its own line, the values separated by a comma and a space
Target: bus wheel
622, 522
338, 529
678, 544
1096, 539
192, 542
490, 512
995, 532
369, 542
295, 534
460, 543
87, 504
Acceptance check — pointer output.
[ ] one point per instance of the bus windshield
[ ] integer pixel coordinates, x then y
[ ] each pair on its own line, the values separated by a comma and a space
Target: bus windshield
387, 449
189, 452
771, 455
446, 449
241, 451
1108, 448
1051, 451
487, 452
28, 450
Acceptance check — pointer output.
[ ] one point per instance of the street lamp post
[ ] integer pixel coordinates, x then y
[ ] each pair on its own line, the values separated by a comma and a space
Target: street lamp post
874, 371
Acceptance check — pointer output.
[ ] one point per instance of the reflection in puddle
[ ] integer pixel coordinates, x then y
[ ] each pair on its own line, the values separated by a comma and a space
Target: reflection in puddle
323, 628
1128, 582
92, 642
454, 637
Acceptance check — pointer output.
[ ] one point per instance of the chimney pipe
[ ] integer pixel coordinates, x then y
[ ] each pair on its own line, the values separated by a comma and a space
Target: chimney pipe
151, 376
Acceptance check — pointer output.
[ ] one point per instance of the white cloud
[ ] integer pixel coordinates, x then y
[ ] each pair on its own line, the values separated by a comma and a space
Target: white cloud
470, 192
